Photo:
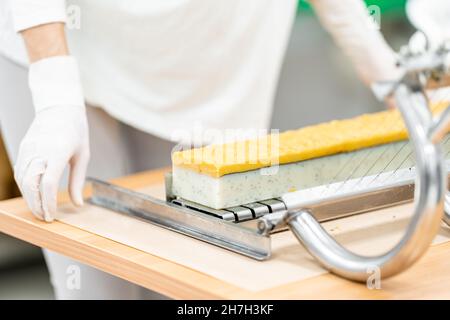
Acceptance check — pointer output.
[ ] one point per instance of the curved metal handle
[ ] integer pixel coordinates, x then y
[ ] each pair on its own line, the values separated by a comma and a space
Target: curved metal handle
428, 212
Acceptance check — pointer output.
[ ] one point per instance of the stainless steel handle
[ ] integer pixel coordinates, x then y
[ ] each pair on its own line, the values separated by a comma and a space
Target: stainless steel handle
428, 199
425, 133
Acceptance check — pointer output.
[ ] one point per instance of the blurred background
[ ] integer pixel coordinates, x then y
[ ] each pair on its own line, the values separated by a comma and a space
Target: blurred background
317, 83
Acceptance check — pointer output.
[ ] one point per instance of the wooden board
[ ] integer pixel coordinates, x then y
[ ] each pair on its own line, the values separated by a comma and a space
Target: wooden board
428, 279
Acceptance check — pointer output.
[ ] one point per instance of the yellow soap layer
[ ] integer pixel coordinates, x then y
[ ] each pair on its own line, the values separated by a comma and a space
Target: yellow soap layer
297, 145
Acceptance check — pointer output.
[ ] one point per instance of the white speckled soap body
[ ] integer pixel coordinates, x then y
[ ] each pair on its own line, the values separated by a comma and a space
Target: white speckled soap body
245, 187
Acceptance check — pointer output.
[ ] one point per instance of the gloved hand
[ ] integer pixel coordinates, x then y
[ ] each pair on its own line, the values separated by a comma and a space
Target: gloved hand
349, 23
432, 17
57, 136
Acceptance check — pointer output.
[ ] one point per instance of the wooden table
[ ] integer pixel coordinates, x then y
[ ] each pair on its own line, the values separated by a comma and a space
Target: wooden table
428, 279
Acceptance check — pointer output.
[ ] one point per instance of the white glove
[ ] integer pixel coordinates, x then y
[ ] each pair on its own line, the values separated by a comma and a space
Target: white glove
57, 136
432, 17
349, 23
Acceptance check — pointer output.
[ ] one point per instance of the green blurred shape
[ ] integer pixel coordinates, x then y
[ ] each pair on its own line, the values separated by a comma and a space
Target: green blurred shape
386, 6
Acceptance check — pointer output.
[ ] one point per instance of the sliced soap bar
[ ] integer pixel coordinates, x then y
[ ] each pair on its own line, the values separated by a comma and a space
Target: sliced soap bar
308, 157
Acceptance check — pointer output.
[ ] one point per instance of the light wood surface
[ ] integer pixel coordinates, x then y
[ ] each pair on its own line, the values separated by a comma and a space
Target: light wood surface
428, 279
7, 185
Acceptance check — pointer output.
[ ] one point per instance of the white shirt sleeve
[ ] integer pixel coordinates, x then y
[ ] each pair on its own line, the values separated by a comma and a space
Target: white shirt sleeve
29, 13
358, 36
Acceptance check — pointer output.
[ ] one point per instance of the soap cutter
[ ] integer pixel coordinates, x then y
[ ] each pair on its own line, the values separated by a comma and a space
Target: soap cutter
246, 229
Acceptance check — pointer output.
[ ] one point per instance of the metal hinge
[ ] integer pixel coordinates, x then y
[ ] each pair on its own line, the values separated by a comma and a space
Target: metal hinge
240, 213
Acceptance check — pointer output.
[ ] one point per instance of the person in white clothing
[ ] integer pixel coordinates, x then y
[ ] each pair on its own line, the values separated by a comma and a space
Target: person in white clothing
144, 69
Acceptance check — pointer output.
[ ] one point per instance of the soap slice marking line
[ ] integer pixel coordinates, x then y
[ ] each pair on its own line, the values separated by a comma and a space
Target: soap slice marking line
409, 155
340, 186
334, 180
387, 165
